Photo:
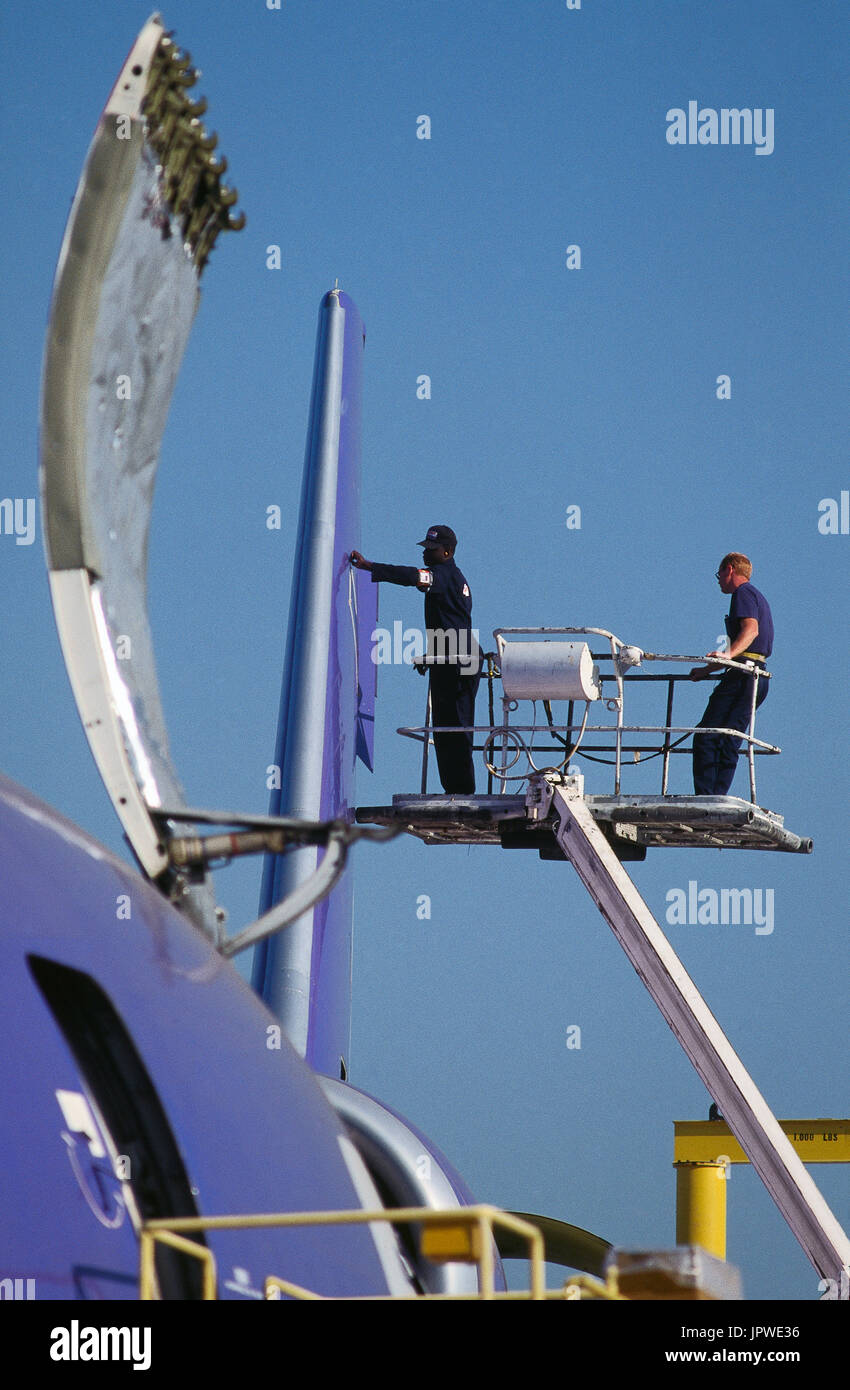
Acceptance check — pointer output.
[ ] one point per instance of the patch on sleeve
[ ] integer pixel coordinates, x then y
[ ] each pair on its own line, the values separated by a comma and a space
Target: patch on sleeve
466, 592
426, 579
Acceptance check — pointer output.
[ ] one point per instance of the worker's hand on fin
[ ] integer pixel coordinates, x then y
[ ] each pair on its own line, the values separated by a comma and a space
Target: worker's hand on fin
358, 561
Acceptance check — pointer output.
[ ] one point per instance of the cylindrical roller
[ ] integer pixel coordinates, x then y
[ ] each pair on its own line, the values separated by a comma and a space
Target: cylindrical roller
548, 671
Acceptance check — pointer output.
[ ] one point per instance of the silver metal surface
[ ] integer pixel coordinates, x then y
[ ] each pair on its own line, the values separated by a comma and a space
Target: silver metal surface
147, 303
406, 1168
124, 299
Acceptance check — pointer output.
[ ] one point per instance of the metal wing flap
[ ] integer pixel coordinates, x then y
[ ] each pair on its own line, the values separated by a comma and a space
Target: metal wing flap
147, 208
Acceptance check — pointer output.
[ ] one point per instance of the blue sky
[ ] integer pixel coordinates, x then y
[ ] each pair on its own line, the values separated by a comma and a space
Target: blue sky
550, 388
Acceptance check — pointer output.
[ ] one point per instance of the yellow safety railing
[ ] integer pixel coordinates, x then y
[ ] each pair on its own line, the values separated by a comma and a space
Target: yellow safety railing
464, 1234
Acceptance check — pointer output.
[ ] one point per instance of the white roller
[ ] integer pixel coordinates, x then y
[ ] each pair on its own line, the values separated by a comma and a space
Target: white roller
548, 671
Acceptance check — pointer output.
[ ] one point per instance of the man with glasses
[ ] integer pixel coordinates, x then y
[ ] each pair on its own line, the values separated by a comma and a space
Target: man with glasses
749, 627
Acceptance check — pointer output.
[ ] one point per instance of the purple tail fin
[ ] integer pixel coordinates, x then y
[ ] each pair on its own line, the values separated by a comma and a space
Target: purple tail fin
327, 702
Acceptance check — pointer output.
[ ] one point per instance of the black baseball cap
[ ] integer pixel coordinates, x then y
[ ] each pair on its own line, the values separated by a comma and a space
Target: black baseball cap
439, 535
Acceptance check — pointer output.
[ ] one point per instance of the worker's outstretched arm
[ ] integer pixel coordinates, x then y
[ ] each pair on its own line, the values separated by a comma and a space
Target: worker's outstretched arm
407, 575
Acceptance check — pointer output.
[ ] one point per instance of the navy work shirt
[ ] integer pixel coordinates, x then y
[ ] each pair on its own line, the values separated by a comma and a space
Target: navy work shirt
749, 602
448, 602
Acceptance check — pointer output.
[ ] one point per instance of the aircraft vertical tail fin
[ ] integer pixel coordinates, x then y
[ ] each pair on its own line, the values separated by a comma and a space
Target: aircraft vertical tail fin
327, 701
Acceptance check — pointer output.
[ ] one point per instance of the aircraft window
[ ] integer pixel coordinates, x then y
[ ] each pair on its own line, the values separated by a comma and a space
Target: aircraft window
132, 1112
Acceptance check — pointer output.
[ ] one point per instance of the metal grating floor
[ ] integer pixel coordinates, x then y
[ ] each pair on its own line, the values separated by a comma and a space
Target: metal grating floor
631, 823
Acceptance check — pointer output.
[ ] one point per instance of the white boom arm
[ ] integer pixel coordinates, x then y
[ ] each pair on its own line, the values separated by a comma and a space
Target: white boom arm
739, 1100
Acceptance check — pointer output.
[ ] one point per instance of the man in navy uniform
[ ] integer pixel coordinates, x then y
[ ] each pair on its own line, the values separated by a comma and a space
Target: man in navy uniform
448, 620
749, 627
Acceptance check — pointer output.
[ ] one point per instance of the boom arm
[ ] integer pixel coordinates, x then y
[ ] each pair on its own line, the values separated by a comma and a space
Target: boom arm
741, 1103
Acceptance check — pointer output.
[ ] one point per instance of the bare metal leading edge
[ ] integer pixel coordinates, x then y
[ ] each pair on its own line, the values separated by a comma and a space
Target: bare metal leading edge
147, 209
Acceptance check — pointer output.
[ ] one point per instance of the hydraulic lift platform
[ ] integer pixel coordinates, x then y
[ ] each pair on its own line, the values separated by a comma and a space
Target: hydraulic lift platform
631, 824
514, 752
595, 833
587, 831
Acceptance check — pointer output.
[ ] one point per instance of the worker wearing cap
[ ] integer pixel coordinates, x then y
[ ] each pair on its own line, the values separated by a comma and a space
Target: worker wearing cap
749, 627
448, 620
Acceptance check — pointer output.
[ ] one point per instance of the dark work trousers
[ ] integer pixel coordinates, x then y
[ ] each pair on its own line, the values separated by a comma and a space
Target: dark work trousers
453, 702
715, 756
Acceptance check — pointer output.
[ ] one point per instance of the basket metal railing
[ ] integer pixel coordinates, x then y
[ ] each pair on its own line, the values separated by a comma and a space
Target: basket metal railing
504, 744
